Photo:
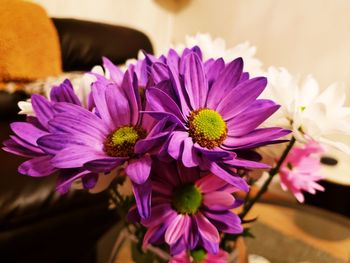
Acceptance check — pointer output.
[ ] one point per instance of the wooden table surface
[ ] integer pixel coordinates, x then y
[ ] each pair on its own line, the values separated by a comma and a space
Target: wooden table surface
324, 231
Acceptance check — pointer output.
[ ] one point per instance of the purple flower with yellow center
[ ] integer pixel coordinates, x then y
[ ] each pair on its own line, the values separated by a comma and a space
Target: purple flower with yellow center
115, 132
216, 110
24, 142
189, 209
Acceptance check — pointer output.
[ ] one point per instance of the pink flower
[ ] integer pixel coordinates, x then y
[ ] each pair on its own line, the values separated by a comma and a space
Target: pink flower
200, 256
300, 171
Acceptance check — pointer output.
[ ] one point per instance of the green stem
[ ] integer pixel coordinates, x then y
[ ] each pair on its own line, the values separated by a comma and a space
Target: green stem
266, 184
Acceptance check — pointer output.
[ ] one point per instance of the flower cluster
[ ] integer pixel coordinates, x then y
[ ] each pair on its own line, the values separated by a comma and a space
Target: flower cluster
185, 128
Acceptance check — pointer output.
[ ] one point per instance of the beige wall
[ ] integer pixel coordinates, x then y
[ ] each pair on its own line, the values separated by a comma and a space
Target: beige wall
306, 36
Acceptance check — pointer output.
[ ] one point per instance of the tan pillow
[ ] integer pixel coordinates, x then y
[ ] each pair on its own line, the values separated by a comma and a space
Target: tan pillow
29, 44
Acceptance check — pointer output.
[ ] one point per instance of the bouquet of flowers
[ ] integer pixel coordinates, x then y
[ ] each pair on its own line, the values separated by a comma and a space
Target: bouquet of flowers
187, 129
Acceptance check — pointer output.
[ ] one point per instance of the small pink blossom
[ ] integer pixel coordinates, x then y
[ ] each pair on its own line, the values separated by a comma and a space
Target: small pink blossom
300, 171
185, 257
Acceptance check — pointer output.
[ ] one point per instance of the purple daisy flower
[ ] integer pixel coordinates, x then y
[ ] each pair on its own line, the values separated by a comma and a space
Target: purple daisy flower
189, 210
24, 142
216, 110
114, 133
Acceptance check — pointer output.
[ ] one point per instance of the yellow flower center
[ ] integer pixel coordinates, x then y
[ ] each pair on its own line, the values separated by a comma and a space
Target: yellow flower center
121, 142
187, 199
207, 128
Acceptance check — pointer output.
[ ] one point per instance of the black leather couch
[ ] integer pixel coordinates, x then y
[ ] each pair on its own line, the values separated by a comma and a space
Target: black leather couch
36, 223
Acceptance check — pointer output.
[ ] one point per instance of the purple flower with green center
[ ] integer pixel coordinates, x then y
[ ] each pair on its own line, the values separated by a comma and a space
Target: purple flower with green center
24, 142
189, 209
216, 110
115, 132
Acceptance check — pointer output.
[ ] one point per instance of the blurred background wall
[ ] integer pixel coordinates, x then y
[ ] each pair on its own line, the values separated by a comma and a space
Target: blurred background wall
304, 36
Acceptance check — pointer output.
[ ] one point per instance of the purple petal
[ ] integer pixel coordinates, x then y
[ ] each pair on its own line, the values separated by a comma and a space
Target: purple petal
118, 107
229, 177
159, 214
251, 118
66, 177
43, 109
11, 146
241, 97
130, 89
195, 82
139, 169
37, 167
115, 73
76, 156
213, 70
176, 142
105, 164
24, 144
215, 154
159, 72
225, 82
227, 222
142, 195
53, 143
159, 101
64, 93
247, 164
187, 175
89, 180
27, 132
188, 154
255, 138
173, 64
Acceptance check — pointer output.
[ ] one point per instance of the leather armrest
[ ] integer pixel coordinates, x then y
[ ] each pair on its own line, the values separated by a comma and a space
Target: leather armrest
83, 43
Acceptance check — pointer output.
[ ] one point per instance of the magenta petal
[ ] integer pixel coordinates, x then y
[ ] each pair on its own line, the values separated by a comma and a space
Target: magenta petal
105, 164
176, 229
206, 229
159, 213
218, 200
247, 164
37, 167
195, 81
139, 169
210, 183
225, 82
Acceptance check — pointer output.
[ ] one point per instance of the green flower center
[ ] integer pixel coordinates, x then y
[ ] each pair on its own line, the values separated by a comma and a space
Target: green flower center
207, 128
198, 255
121, 142
187, 199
